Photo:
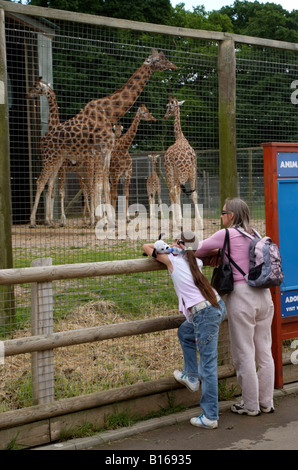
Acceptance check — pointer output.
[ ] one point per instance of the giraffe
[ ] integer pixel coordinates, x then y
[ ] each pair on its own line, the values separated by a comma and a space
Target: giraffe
84, 169
153, 187
180, 165
121, 162
91, 130
41, 88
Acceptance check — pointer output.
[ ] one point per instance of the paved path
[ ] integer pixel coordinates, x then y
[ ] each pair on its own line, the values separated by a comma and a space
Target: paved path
266, 432
276, 431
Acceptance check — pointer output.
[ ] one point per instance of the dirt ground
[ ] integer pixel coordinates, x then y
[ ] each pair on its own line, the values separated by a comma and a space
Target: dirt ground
76, 234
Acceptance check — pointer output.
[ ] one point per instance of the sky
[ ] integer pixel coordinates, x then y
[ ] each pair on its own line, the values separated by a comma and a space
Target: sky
210, 5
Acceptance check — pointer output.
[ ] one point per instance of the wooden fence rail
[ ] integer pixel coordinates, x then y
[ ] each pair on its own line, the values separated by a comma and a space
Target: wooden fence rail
42, 342
77, 270
29, 344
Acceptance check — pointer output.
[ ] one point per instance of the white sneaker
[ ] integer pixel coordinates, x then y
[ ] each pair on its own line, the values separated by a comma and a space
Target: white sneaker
192, 386
241, 410
203, 422
270, 409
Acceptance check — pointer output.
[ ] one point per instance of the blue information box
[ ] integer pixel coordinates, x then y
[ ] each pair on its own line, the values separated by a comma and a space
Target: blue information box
288, 230
289, 303
287, 164
281, 211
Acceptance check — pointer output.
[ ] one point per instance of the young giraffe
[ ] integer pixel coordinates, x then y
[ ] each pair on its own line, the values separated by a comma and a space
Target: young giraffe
84, 169
121, 162
153, 187
91, 130
180, 165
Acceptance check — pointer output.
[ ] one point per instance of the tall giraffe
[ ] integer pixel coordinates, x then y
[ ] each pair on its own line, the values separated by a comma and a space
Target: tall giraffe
84, 169
121, 162
180, 165
91, 130
153, 187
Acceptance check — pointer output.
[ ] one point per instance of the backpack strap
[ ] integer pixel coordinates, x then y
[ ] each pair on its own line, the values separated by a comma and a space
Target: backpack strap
236, 265
243, 232
239, 229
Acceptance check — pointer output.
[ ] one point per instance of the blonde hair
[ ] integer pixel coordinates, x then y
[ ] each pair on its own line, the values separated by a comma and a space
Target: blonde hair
241, 212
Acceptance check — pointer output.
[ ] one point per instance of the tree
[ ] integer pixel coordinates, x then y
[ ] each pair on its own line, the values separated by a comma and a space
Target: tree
151, 11
267, 20
200, 19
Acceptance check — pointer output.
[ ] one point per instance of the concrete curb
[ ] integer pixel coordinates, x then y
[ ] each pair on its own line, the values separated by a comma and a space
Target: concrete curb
149, 425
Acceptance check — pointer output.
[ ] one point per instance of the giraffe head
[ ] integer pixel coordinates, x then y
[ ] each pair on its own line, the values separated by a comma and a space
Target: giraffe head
153, 158
117, 129
144, 114
172, 105
40, 88
158, 61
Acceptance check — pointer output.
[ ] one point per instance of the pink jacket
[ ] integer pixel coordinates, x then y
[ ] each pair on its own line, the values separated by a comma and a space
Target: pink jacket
239, 250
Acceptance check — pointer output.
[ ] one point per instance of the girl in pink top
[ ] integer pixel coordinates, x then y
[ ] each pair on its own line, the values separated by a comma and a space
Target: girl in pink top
204, 311
250, 313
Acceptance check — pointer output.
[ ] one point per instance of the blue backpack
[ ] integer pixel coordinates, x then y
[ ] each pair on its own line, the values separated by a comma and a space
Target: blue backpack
264, 262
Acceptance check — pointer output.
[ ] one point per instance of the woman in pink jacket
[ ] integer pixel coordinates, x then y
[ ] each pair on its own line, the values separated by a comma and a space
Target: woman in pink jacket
250, 313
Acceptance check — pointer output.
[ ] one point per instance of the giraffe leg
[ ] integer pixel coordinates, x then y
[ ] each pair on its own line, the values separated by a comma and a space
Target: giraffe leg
40, 185
107, 193
106, 151
85, 191
151, 197
86, 206
159, 202
92, 203
114, 190
50, 204
62, 178
174, 193
198, 218
126, 192
96, 187
51, 195
177, 209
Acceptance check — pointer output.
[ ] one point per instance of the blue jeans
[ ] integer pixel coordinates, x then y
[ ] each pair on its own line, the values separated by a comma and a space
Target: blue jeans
202, 334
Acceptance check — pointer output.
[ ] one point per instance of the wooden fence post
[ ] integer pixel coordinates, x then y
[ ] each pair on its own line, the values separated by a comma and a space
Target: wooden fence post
6, 292
42, 324
227, 119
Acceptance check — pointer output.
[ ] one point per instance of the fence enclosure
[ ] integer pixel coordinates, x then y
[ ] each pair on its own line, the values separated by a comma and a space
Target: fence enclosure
110, 316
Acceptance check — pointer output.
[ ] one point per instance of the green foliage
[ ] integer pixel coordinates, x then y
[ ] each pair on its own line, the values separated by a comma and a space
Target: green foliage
265, 20
150, 11
200, 19
264, 108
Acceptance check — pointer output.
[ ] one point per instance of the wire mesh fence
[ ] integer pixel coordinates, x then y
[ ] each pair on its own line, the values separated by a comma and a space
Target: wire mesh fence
83, 62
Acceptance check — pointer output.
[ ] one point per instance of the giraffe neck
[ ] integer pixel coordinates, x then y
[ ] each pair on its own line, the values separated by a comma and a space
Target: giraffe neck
54, 118
126, 140
118, 103
177, 126
153, 167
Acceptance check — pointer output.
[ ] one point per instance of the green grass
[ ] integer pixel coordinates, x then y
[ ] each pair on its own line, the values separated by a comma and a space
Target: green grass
133, 293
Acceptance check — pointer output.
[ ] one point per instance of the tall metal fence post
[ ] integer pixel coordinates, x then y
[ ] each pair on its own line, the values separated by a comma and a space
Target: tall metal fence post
227, 120
6, 292
42, 363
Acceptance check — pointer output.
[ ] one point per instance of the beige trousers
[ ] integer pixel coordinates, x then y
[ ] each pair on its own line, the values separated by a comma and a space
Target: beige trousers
250, 312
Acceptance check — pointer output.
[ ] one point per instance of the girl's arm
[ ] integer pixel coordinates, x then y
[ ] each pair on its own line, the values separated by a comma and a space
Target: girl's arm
148, 249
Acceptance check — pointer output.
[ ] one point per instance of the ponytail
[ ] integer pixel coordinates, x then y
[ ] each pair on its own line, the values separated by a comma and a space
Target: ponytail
200, 280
